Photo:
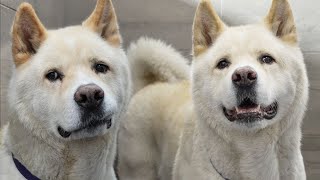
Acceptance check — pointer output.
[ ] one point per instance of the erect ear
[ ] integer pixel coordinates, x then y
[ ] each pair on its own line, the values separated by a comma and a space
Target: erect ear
281, 22
103, 20
27, 34
207, 26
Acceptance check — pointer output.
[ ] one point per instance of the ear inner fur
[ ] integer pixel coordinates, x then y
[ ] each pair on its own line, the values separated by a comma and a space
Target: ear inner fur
27, 34
206, 27
281, 22
103, 20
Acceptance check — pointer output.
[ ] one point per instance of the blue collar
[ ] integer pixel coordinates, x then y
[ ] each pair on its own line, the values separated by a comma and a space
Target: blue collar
23, 170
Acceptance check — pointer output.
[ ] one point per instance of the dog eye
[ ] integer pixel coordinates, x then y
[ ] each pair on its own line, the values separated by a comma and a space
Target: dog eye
101, 68
223, 63
267, 59
53, 75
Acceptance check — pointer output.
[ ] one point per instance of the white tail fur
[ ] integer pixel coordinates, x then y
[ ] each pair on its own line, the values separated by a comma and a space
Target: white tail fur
154, 61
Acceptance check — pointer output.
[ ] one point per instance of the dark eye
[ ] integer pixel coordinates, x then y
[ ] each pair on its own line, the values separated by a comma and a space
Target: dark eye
223, 63
53, 75
267, 59
101, 68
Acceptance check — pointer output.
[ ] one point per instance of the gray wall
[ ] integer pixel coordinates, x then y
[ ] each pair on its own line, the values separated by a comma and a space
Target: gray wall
171, 21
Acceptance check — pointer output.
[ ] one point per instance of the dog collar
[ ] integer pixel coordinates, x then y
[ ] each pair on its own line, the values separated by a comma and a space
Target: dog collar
23, 170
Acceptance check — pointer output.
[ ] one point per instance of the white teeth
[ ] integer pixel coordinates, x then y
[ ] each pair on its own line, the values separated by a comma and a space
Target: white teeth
258, 107
237, 109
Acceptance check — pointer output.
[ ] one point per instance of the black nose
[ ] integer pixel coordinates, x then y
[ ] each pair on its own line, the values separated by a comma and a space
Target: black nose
244, 77
89, 96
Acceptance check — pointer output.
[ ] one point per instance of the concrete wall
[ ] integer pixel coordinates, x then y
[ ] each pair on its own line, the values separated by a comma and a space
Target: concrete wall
171, 21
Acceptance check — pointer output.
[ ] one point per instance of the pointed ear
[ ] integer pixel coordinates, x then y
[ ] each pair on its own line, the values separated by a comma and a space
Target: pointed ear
207, 26
103, 20
281, 22
27, 34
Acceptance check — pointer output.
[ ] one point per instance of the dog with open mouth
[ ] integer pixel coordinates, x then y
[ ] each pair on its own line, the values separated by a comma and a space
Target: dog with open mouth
68, 91
239, 115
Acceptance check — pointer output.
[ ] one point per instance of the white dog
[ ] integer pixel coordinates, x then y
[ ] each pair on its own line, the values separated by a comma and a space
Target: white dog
238, 117
68, 91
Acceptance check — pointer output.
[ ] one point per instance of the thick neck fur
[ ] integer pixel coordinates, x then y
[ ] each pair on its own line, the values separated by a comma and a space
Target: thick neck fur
53, 159
266, 154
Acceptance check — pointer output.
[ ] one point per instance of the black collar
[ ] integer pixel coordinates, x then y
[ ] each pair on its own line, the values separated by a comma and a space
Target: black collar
23, 170
218, 171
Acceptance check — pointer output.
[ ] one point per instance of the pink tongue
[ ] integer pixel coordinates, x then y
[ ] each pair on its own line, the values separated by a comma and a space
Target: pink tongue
240, 110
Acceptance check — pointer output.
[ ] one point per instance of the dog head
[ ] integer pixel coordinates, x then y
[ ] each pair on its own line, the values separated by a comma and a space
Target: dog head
71, 82
247, 76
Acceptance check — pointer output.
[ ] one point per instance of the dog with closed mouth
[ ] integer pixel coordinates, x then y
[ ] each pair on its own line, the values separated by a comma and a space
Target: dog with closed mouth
239, 115
66, 96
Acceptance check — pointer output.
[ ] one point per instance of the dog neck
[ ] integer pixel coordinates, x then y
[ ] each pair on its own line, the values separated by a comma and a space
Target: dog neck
50, 158
244, 154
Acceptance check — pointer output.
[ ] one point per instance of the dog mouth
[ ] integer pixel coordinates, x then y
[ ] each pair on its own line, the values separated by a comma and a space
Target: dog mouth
90, 126
249, 111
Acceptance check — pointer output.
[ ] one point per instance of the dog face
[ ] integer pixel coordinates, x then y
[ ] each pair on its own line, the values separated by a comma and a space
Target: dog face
248, 76
71, 82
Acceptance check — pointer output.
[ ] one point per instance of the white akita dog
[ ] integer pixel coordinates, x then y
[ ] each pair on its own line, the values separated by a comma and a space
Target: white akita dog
69, 88
238, 118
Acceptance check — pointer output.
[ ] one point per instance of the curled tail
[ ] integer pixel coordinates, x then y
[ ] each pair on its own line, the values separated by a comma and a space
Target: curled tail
154, 61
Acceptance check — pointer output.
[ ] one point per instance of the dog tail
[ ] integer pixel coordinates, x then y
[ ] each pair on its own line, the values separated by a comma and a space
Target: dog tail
154, 61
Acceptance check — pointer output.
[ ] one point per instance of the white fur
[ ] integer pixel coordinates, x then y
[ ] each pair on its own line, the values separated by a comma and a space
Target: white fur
39, 106
151, 61
149, 64
179, 131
